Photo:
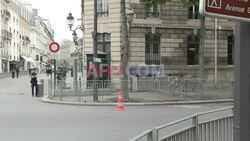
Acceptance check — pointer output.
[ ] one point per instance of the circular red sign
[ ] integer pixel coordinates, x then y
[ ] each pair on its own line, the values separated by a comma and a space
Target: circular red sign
56, 49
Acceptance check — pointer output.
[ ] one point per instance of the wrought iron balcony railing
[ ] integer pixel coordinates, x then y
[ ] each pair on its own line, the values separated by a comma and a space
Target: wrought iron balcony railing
6, 14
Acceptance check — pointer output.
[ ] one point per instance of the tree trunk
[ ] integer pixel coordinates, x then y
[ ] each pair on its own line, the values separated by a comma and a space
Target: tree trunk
95, 88
201, 49
125, 50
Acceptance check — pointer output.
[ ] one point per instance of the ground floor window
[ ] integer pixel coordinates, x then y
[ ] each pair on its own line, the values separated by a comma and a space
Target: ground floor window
193, 43
230, 50
152, 49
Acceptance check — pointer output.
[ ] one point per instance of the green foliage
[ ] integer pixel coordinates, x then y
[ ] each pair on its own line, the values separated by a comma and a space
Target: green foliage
62, 70
186, 2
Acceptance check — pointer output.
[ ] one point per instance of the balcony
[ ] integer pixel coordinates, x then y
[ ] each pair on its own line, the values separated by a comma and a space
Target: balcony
26, 40
7, 35
6, 15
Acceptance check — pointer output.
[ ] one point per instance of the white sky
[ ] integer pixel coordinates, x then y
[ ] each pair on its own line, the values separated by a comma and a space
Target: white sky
57, 11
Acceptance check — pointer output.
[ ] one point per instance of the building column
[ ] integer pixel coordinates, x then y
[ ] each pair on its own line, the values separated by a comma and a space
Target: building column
242, 82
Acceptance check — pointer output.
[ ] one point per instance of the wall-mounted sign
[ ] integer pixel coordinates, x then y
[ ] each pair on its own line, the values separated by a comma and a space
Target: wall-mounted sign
238, 10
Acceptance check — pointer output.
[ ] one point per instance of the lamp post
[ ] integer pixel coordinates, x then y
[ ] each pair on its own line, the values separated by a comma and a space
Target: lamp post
216, 28
70, 21
130, 16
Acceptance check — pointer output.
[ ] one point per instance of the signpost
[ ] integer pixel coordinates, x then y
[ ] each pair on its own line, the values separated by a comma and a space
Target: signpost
54, 47
238, 10
98, 60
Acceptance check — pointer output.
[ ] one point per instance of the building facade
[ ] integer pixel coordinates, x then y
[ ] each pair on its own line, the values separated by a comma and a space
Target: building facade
6, 35
41, 36
16, 24
161, 35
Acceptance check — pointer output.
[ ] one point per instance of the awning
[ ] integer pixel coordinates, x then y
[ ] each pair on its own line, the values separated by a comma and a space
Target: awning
30, 59
25, 58
4, 58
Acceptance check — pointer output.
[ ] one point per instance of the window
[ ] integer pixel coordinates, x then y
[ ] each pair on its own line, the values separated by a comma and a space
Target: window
152, 11
37, 57
41, 58
193, 12
230, 50
102, 8
103, 42
193, 50
152, 49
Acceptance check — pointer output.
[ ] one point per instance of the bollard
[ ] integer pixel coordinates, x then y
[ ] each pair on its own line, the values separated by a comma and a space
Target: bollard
40, 88
42, 81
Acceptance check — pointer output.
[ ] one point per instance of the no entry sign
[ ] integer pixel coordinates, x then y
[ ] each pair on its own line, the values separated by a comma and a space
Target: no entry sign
54, 47
238, 10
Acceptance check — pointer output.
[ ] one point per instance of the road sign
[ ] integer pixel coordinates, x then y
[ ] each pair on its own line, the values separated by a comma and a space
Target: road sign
238, 10
54, 56
54, 47
99, 60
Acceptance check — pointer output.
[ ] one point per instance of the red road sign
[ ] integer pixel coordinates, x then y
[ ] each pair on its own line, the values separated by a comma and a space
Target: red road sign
54, 47
230, 9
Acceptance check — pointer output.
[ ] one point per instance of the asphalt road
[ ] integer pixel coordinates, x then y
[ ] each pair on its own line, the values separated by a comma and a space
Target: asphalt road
24, 118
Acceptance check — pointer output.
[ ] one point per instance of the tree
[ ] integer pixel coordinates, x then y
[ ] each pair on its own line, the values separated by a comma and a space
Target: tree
62, 71
124, 51
202, 29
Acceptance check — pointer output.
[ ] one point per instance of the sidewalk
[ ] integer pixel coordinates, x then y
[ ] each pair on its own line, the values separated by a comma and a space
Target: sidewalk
8, 74
45, 99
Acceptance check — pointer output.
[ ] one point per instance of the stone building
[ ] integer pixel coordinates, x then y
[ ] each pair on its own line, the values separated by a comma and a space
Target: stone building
17, 43
161, 35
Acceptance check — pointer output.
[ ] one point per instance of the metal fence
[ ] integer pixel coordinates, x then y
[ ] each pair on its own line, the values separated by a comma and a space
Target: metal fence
209, 126
141, 90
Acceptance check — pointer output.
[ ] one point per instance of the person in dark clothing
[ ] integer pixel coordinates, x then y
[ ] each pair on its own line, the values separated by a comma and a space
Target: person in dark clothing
17, 72
33, 82
13, 73
29, 72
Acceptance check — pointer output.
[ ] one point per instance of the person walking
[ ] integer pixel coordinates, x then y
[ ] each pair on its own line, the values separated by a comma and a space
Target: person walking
13, 73
17, 72
29, 71
33, 82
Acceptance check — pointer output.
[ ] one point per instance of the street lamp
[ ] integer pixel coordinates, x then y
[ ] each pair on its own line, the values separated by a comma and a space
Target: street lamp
130, 15
70, 21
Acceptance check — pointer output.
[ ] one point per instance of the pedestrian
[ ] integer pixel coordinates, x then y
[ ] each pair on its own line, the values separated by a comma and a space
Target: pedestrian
13, 73
17, 72
33, 82
29, 71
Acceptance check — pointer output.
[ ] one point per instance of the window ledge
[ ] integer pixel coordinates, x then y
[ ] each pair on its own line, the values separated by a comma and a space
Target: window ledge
148, 21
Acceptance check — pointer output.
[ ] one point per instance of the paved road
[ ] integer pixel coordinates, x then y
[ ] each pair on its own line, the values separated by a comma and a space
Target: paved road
24, 118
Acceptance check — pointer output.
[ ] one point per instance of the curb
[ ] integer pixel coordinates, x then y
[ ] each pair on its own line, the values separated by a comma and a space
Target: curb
47, 100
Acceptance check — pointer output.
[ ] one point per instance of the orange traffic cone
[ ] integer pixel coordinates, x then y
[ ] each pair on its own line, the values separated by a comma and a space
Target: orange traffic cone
120, 106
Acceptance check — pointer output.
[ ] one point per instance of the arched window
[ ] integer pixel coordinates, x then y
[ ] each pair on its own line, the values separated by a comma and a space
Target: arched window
193, 43
230, 50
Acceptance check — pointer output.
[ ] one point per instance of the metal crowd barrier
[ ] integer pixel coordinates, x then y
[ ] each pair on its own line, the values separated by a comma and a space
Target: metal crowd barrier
215, 125
142, 90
